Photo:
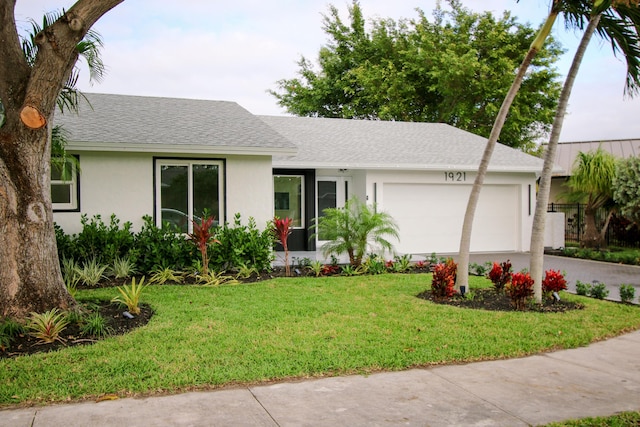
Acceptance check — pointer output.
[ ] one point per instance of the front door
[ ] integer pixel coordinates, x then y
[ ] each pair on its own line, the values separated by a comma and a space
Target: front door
331, 192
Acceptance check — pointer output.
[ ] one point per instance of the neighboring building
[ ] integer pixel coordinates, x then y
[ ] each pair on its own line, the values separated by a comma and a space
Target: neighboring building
567, 152
170, 158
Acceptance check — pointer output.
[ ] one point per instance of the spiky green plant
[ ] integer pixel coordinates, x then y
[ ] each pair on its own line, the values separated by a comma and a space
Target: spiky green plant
91, 272
163, 275
122, 267
47, 326
130, 295
213, 278
95, 325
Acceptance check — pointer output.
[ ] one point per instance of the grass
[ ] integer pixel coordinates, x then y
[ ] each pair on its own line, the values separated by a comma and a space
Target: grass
624, 419
205, 337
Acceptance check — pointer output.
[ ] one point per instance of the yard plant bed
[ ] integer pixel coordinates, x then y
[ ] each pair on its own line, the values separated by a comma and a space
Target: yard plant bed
118, 324
488, 299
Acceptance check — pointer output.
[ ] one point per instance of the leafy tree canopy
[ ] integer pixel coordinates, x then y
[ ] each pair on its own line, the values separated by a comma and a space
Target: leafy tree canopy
626, 186
455, 69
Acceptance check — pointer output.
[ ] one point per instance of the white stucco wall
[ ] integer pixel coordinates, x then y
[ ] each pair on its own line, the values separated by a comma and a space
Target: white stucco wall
122, 183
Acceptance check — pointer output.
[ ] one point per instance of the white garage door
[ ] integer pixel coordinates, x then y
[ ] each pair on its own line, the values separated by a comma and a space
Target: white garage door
430, 217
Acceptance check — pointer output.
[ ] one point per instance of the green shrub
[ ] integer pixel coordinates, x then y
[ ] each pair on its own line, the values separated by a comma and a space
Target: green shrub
242, 245
161, 247
47, 326
122, 267
91, 272
95, 325
9, 330
599, 291
100, 241
582, 288
130, 295
374, 264
627, 293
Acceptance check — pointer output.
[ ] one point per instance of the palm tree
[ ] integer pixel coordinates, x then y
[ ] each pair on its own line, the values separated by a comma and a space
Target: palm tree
576, 12
619, 24
591, 182
353, 228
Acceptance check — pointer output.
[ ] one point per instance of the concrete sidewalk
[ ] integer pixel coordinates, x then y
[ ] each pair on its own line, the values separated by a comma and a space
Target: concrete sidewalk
598, 380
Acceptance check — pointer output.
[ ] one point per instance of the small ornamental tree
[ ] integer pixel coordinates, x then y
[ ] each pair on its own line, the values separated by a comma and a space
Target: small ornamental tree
520, 290
500, 275
282, 230
202, 236
444, 279
553, 282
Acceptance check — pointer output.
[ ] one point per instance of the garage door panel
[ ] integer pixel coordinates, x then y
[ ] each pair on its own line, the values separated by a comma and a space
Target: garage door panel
430, 217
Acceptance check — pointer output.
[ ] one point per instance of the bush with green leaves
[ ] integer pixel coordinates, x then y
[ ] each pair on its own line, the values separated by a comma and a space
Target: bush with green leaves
241, 244
9, 330
353, 229
599, 291
627, 293
162, 247
583, 288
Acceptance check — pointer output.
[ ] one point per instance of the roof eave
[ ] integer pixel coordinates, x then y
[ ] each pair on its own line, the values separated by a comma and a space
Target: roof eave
180, 149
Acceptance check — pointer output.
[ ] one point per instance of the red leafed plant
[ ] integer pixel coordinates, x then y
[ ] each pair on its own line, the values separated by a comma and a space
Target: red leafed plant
553, 282
444, 279
282, 229
202, 236
500, 275
520, 290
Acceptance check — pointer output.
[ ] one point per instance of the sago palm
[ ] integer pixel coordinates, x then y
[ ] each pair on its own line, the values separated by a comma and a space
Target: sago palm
619, 24
353, 229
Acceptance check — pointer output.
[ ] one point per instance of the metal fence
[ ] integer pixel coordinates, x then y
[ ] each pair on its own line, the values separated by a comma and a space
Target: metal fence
619, 233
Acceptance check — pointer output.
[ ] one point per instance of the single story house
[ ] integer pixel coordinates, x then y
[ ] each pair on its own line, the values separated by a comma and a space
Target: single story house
174, 158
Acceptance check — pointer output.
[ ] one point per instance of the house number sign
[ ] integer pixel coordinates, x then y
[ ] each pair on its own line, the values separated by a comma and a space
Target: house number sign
455, 176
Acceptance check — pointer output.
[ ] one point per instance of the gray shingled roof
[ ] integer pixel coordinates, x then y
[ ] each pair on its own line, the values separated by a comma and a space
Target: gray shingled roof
360, 144
182, 125
567, 152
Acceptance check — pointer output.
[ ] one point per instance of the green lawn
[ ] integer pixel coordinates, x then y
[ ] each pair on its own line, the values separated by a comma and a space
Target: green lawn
203, 337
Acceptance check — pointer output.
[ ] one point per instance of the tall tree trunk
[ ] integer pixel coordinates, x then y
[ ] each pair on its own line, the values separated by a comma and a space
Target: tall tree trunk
30, 278
591, 237
536, 262
467, 226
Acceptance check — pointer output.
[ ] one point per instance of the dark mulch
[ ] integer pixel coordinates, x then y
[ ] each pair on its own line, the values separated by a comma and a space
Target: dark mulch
112, 312
488, 299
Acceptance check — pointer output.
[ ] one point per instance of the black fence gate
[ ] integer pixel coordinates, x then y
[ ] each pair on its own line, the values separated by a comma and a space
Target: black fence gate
621, 232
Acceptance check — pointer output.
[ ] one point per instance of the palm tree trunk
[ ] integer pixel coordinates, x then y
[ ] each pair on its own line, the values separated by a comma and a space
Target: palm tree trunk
537, 233
591, 237
467, 226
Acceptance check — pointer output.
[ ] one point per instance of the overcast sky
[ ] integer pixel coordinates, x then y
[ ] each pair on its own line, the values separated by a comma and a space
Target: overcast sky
237, 50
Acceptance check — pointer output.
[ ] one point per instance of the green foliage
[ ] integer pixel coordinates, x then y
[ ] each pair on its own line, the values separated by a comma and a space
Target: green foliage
161, 247
95, 325
592, 177
161, 276
244, 271
599, 291
353, 228
626, 184
242, 245
130, 295
627, 293
122, 267
213, 278
349, 270
583, 288
316, 267
455, 68
402, 264
91, 272
47, 326
480, 269
9, 330
100, 241
374, 264
444, 279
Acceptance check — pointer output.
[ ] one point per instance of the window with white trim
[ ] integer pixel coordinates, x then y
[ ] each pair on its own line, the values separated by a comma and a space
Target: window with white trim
187, 190
64, 185
289, 198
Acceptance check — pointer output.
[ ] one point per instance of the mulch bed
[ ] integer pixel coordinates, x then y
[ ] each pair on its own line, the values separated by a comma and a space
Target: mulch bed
112, 312
488, 299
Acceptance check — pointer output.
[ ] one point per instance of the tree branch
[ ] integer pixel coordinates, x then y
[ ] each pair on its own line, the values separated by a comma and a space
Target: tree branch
14, 70
57, 55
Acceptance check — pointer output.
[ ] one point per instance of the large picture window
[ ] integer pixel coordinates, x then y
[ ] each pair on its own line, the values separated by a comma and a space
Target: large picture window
289, 198
64, 185
187, 190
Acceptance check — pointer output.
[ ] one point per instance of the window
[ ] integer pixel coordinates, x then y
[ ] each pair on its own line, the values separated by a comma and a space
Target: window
289, 198
187, 190
64, 184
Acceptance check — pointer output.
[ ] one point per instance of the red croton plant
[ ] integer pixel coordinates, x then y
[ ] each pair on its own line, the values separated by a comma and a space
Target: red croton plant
444, 279
202, 237
500, 275
282, 229
553, 282
520, 289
